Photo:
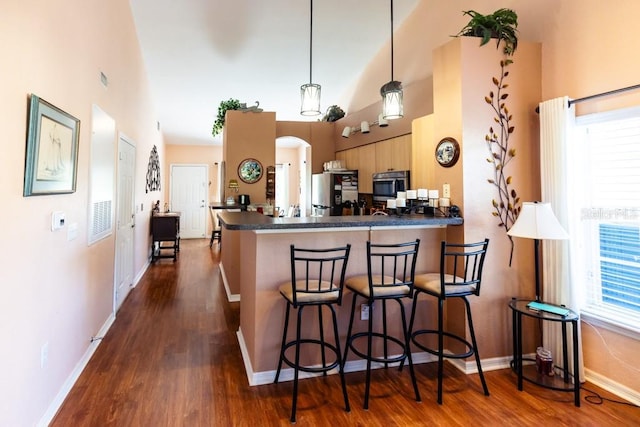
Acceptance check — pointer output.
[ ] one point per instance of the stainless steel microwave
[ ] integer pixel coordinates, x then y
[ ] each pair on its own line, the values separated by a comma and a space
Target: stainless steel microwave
387, 184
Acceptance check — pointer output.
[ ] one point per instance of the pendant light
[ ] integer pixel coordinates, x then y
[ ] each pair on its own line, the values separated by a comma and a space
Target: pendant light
392, 92
310, 92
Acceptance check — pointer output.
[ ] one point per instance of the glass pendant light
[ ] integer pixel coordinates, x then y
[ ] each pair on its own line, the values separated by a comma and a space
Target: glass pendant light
310, 92
392, 92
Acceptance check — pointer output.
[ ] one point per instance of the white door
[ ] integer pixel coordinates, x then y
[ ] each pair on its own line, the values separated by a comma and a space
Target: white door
189, 197
126, 220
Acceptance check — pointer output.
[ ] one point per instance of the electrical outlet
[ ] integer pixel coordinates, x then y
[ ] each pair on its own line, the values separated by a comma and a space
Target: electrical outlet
446, 191
364, 312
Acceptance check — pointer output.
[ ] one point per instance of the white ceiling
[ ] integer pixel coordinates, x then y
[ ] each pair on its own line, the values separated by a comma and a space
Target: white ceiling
200, 52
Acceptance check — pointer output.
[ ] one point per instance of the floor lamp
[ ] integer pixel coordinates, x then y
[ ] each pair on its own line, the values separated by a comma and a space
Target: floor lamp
536, 221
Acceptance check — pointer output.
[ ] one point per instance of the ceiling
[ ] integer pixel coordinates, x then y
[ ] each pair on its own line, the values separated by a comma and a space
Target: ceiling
200, 52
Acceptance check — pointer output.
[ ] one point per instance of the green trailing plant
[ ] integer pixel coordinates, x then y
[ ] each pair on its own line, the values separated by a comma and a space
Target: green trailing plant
507, 205
501, 25
231, 104
333, 113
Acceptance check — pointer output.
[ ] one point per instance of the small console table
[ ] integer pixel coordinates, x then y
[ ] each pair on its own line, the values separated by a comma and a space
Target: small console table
165, 231
561, 382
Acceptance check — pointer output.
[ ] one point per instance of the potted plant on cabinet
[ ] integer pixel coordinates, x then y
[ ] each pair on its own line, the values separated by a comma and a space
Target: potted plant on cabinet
501, 25
231, 104
333, 113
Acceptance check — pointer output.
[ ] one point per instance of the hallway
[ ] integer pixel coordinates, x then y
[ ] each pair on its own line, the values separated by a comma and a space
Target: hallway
172, 358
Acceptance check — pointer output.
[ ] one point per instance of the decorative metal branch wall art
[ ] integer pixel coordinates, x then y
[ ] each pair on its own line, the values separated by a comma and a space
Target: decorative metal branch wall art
507, 205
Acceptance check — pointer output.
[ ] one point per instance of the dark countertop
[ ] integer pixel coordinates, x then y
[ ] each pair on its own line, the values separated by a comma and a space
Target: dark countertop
257, 221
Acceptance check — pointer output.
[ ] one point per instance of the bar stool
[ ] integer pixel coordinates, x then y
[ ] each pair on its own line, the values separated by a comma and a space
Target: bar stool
466, 261
215, 230
390, 274
317, 280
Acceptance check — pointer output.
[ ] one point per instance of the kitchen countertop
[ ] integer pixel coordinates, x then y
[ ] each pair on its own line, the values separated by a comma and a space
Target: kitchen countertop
257, 221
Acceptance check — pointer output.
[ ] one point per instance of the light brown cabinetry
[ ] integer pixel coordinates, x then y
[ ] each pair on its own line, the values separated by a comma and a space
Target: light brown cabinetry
392, 154
362, 159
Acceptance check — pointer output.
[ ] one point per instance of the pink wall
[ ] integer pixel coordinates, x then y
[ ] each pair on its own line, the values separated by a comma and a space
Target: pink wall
194, 155
58, 291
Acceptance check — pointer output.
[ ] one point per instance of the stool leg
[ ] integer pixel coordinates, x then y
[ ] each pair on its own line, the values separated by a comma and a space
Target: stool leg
411, 322
296, 364
440, 347
322, 346
340, 364
475, 347
348, 343
369, 349
407, 350
384, 331
284, 341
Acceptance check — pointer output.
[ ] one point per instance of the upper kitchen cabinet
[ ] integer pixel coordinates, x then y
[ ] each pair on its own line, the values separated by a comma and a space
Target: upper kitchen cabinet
366, 167
393, 154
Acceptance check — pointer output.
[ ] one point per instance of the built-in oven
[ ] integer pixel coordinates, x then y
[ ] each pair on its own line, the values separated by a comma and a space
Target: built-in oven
387, 184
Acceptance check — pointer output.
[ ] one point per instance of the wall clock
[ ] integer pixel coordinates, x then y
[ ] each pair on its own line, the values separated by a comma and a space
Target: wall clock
250, 171
447, 152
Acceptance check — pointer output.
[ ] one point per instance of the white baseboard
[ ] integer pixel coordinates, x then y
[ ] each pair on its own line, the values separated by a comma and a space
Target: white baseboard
138, 277
613, 387
75, 374
230, 297
267, 377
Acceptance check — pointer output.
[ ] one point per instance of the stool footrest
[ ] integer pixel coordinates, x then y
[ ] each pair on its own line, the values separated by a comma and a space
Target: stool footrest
314, 369
435, 352
379, 359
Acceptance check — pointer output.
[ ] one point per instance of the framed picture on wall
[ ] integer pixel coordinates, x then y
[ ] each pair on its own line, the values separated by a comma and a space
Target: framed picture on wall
52, 150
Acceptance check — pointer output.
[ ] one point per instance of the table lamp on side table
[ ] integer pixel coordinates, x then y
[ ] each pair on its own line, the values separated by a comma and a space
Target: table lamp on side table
536, 221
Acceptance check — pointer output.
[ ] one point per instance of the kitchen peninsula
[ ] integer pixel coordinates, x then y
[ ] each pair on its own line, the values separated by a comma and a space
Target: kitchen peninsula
255, 260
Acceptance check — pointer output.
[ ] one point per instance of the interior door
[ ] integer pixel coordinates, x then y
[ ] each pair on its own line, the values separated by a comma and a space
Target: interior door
126, 220
189, 197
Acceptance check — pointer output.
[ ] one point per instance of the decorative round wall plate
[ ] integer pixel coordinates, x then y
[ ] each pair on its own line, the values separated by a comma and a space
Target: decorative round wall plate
250, 171
447, 152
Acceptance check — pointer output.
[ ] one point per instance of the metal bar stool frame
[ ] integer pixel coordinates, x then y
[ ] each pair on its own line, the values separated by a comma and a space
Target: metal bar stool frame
466, 261
383, 286
321, 285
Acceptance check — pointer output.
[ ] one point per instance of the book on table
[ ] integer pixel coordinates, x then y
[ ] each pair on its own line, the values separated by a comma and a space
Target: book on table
549, 308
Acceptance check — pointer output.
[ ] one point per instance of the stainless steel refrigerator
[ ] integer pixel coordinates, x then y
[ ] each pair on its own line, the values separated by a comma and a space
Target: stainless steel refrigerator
331, 190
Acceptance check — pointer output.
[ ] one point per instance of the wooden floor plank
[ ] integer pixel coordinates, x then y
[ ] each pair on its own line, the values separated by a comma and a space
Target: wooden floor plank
172, 358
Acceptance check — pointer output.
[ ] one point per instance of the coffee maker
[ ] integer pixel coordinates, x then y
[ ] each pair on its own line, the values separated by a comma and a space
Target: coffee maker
244, 201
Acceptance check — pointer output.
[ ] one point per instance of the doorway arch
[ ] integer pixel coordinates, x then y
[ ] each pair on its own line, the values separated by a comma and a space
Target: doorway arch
293, 154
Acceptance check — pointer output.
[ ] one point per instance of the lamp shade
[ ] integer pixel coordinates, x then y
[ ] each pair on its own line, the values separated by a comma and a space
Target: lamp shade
392, 107
364, 126
537, 221
310, 94
346, 132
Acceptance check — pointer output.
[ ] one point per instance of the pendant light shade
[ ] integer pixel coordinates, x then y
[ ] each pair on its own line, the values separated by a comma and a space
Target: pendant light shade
392, 92
392, 100
310, 92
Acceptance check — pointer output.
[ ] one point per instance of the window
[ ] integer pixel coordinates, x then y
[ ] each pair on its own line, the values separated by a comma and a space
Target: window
607, 260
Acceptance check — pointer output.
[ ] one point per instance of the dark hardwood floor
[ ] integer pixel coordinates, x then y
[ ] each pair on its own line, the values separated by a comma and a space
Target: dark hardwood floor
172, 359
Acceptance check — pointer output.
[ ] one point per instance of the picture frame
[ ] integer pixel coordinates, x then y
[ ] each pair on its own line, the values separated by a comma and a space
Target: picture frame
51, 161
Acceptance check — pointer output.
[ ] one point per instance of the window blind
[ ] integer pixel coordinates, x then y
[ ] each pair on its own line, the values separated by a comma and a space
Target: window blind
610, 212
